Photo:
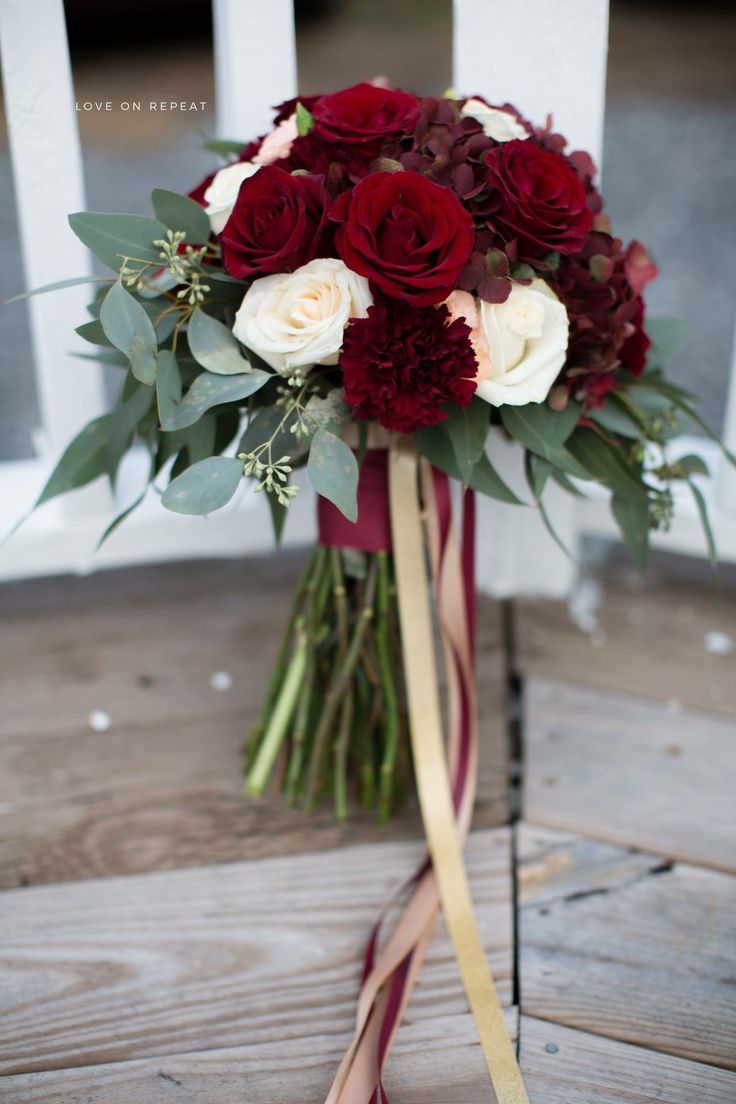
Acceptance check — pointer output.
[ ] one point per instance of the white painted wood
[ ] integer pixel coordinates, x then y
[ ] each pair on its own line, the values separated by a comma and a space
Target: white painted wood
255, 63
543, 56
726, 488
47, 171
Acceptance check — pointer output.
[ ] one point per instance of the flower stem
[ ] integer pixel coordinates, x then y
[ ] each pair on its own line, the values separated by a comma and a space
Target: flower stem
271, 744
341, 757
338, 685
388, 688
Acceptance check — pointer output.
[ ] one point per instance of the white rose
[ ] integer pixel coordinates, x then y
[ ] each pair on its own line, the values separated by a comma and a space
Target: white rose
298, 319
526, 343
223, 191
497, 124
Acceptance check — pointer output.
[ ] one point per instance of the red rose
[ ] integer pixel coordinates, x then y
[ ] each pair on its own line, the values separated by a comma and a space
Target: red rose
537, 198
278, 223
403, 365
411, 237
366, 115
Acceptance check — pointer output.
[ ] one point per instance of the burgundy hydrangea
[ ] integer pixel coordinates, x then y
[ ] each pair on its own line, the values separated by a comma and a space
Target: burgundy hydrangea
601, 289
403, 365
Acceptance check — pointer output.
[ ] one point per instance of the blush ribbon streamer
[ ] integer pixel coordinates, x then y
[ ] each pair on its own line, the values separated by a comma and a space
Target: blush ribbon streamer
446, 793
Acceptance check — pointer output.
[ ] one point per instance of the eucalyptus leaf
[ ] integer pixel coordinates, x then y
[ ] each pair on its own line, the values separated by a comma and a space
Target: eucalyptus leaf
123, 422
130, 330
606, 464
113, 237
179, 212
94, 333
632, 518
436, 446
330, 412
213, 346
82, 462
543, 435
537, 472
269, 425
666, 336
209, 390
204, 487
614, 418
304, 120
168, 385
333, 470
467, 430
691, 465
120, 518
75, 281
702, 509
278, 517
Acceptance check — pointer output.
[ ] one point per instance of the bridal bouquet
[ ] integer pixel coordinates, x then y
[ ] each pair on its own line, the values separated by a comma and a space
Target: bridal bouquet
368, 291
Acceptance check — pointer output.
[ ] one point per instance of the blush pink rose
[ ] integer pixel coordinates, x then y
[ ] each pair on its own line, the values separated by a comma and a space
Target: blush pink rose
278, 143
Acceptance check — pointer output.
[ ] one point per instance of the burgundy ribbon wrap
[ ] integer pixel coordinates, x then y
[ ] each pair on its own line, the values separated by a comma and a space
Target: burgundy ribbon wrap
372, 531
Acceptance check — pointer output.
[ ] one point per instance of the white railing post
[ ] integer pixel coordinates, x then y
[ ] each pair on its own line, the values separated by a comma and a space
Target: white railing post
544, 56
47, 172
255, 63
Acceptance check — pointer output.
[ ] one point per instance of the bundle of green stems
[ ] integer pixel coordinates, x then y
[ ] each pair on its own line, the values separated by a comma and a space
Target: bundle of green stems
334, 721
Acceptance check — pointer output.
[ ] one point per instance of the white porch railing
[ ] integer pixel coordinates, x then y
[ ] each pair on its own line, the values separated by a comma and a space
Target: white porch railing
547, 55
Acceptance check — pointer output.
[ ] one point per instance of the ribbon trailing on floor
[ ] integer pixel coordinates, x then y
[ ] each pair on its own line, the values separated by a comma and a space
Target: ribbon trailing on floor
446, 794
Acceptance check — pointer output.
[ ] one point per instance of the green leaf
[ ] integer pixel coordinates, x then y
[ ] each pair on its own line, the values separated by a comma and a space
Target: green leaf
467, 430
553, 532
117, 521
537, 472
333, 470
278, 517
94, 333
224, 147
112, 237
75, 281
123, 422
179, 212
544, 432
331, 412
168, 385
436, 446
705, 522
614, 418
605, 463
213, 345
83, 460
666, 336
690, 465
209, 390
130, 330
204, 487
632, 518
304, 120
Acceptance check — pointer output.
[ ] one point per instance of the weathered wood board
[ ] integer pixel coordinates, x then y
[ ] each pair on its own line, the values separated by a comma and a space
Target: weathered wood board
640, 637
435, 1060
260, 952
630, 771
625, 945
563, 1066
162, 788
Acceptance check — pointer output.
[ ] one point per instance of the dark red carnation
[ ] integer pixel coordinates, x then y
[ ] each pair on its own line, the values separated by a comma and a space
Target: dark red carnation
402, 365
278, 223
538, 198
365, 114
409, 236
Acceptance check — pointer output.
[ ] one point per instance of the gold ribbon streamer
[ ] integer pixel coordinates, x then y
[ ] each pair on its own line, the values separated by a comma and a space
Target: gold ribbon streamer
433, 784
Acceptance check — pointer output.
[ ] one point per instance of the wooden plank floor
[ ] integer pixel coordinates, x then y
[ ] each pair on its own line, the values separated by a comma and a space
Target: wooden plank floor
163, 939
